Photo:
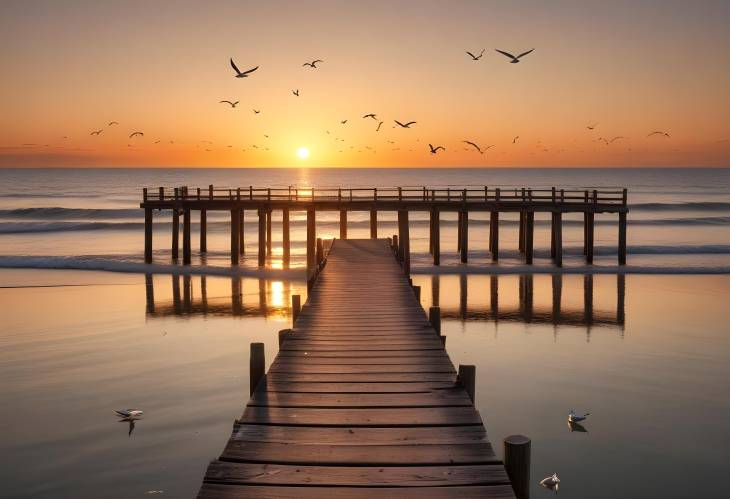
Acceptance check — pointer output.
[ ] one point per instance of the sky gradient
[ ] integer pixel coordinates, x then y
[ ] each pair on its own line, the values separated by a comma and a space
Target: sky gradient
162, 68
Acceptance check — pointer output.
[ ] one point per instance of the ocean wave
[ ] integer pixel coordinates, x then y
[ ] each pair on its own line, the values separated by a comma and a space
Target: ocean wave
696, 206
59, 213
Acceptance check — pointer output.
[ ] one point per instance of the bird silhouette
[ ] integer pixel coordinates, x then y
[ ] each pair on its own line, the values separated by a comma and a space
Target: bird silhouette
312, 64
515, 59
476, 57
157, 141
295, 92
96, 132
112, 123
371, 115
551, 482
577, 418
232, 104
434, 150
240, 74
616, 138
343, 122
405, 125
256, 111
514, 141
136, 133
665, 134
473, 145
379, 125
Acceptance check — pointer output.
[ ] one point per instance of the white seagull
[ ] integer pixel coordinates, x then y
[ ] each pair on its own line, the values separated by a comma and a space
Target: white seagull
129, 413
551, 482
577, 418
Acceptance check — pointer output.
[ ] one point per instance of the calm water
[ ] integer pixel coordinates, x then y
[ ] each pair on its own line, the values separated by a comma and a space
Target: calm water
648, 356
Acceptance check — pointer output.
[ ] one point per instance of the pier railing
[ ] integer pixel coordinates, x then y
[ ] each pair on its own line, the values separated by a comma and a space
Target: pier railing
426, 194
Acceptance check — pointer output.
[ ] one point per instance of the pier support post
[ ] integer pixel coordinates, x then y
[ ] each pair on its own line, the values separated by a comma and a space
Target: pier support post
296, 308
320, 251
343, 224
557, 283
589, 219
148, 235
203, 231
187, 250
436, 240
521, 237
434, 317
268, 232
467, 379
262, 238
283, 333
494, 297
621, 299
494, 235
149, 288
558, 239
417, 291
588, 298
459, 227
517, 464
241, 226
435, 290
464, 245
235, 213
405, 244
622, 238
175, 234
529, 234
373, 224
257, 365
311, 241
285, 235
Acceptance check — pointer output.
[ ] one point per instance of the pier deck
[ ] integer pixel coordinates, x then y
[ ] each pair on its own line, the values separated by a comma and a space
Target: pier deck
361, 401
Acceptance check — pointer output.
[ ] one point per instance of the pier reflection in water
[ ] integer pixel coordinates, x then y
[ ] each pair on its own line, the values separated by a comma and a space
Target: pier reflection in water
561, 300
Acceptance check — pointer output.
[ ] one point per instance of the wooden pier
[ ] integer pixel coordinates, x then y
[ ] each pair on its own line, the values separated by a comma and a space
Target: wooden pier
362, 400
526, 202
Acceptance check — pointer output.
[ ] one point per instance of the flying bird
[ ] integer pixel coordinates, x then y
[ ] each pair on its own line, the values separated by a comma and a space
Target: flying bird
658, 133
256, 111
343, 122
516, 59
514, 141
379, 125
295, 92
232, 104
593, 126
239, 74
312, 64
371, 115
434, 150
136, 133
96, 132
404, 125
112, 123
475, 57
129, 413
473, 145
616, 138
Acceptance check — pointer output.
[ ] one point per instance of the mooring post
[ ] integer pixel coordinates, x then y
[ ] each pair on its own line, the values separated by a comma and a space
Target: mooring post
203, 231
257, 365
283, 333
235, 213
442, 337
436, 238
417, 291
529, 235
186, 237
434, 317
311, 241
394, 245
494, 235
622, 238
320, 251
285, 234
373, 224
558, 237
464, 236
241, 232
268, 230
343, 224
467, 379
517, 464
296, 308
262, 237
148, 235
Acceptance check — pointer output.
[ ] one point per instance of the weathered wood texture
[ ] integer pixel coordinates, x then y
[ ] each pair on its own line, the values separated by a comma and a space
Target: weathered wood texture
361, 400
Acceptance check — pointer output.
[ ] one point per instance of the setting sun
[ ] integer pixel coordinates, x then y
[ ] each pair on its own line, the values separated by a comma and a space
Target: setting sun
303, 153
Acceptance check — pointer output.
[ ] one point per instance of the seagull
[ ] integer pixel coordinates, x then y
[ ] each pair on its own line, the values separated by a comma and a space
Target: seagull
295, 92
157, 142
343, 122
112, 123
475, 57
379, 125
238, 71
550, 482
514, 60
129, 413
136, 133
577, 418
371, 115
434, 150
591, 127
256, 111
96, 132
616, 138
576, 427
405, 125
514, 141
232, 104
658, 133
473, 145
312, 64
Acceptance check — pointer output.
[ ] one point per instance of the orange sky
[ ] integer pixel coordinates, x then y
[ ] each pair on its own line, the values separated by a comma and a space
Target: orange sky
161, 67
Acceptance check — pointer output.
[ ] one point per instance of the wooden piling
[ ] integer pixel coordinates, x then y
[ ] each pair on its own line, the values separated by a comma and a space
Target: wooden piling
296, 308
558, 238
343, 224
494, 235
588, 298
620, 298
311, 240
521, 236
235, 213
557, 284
529, 234
589, 233
203, 231
467, 379
417, 291
459, 228
494, 297
464, 246
517, 464
405, 243
187, 250
262, 237
149, 293
430, 232
257, 365
373, 224
320, 251
175, 233
436, 237
283, 333
285, 235
268, 233
241, 232
434, 317
622, 238
148, 235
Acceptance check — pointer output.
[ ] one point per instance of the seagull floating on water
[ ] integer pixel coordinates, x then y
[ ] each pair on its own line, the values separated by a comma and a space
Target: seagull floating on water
434, 150
232, 104
405, 125
312, 64
243, 74
551, 482
475, 57
515, 59
577, 418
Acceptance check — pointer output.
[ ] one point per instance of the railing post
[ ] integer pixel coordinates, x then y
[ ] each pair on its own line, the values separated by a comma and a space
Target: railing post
257, 365
162, 193
296, 308
467, 379
517, 464
210, 191
144, 194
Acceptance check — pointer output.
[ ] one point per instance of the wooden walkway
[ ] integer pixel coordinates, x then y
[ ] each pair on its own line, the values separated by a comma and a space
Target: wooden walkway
361, 401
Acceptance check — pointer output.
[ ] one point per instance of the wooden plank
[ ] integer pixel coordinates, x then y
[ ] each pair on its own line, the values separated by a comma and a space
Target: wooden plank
439, 398
364, 377
362, 387
425, 416
298, 368
218, 491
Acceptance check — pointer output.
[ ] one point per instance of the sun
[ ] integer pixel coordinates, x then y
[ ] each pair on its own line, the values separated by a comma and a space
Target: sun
303, 153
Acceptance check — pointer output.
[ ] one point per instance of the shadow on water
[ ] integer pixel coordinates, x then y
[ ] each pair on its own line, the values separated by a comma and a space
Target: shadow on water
189, 296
